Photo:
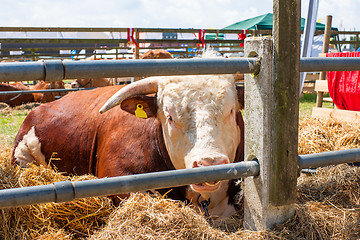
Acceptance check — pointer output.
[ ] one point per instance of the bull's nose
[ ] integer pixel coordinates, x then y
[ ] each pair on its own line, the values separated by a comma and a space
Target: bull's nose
210, 162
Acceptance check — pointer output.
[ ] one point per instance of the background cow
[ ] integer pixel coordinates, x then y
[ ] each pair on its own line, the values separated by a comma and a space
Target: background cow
14, 100
156, 54
91, 82
51, 96
18, 99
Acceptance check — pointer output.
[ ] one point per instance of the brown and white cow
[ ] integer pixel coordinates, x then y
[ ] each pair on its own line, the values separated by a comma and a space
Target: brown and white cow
91, 82
156, 54
14, 100
192, 121
50, 96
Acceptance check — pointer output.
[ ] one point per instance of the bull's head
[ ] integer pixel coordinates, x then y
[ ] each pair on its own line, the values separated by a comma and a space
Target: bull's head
199, 117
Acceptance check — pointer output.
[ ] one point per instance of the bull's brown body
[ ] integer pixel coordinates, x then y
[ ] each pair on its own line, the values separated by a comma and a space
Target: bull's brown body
115, 143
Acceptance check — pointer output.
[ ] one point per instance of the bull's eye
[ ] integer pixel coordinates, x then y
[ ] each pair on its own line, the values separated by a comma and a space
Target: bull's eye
170, 118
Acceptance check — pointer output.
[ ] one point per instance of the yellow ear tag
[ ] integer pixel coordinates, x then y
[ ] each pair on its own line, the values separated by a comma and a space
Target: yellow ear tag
139, 112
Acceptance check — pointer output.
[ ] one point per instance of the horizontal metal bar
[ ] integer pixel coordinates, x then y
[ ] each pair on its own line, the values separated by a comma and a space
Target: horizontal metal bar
150, 67
114, 41
21, 71
25, 71
317, 64
328, 158
68, 191
52, 70
115, 185
21, 92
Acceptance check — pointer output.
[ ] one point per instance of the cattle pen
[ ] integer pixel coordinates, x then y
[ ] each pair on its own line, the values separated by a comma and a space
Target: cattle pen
266, 162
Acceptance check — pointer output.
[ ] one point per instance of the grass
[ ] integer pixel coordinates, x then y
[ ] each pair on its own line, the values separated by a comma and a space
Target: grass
10, 122
307, 102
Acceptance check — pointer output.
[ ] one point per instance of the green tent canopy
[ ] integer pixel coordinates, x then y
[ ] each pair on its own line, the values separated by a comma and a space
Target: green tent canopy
262, 22
265, 22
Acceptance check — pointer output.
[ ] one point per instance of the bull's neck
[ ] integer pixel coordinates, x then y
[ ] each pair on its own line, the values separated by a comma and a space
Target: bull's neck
160, 143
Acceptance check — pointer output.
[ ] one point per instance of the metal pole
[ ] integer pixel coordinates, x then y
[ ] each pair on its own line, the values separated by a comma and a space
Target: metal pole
55, 70
316, 64
21, 92
68, 191
328, 158
51, 70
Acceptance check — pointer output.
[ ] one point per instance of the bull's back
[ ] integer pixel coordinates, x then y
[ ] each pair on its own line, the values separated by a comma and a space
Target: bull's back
67, 128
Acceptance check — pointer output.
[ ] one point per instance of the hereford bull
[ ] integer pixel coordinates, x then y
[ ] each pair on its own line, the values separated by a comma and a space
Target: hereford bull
191, 121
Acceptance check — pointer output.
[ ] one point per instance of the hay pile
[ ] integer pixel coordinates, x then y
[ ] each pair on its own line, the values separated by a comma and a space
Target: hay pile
320, 135
328, 204
6, 109
51, 220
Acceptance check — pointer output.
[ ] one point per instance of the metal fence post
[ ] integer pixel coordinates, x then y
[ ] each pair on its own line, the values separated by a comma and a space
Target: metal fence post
271, 120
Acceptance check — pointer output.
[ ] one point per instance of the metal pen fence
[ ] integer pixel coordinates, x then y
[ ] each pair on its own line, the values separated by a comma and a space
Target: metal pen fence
60, 70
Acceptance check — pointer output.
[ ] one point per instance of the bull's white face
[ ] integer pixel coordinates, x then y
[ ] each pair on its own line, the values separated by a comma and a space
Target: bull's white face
198, 117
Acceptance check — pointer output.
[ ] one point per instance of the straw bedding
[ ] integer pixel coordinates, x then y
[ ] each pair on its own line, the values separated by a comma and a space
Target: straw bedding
328, 205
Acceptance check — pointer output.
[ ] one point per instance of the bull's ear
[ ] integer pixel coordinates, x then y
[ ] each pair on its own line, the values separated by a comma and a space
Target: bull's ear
240, 94
140, 105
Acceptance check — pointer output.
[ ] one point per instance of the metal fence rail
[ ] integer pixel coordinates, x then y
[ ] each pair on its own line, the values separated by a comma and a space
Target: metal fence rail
328, 158
54, 70
42, 91
317, 64
68, 191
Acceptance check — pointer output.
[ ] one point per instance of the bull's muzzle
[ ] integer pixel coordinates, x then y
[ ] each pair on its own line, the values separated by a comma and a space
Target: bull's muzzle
208, 186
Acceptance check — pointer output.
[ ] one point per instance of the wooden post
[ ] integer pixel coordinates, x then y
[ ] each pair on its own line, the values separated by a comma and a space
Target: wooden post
137, 52
271, 120
327, 34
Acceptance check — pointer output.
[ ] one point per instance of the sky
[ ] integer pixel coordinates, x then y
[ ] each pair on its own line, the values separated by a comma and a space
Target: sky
160, 13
